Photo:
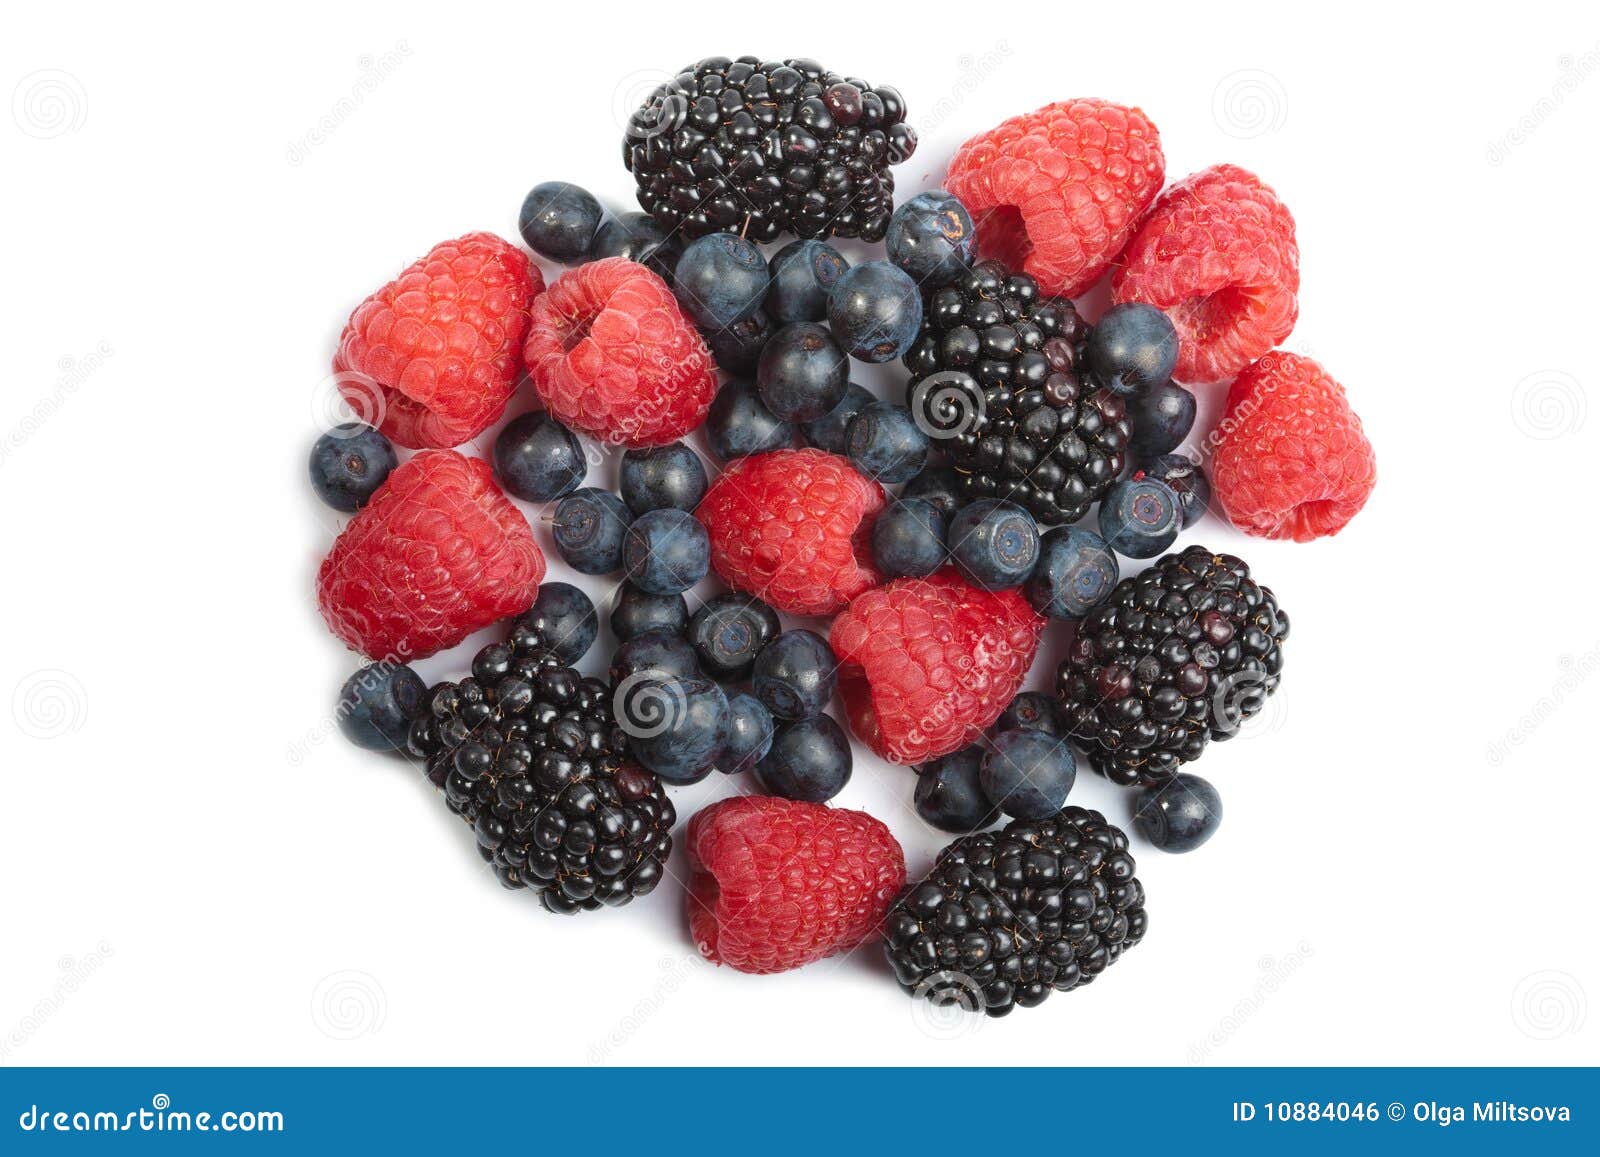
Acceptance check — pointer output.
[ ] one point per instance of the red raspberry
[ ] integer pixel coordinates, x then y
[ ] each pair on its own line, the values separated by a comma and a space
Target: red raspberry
613, 355
790, 526
438, 553
926, 665
778, 884
432, 358
1291, 460
1057, 192
1218, 253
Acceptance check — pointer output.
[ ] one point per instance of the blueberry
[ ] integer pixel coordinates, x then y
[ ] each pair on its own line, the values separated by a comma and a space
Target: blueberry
566, 618
802, 373
739, 423
795, 674
1027, 774
908, 539
1188, 482
377, 703
638, 611
348, 464
1178, 815
1162, 417
808, 761
666, 551
803, 274
588, 526
886, 443
1133, 348
828, 432
661, 654
559, 221
949, 795
1031, 711
675, 727
537, 459
721, 279
662, 477
729, 631
994, 543
940, 485
750, 728
931, 238
637, 237
1140, 517
875, 311
737, 349
1076, 570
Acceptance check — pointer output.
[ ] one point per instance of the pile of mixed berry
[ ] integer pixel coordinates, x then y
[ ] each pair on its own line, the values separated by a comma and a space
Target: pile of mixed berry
930, 539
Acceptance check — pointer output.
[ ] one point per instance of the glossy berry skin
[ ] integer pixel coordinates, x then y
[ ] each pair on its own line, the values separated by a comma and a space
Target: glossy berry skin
1076, 570
559, 221
737, 348
949, 796
875, 311
661, 478
537, 459
795, 675
665, 552
994, 543
828, 432
565, 619
1140, 517
809, 760
1179, 815
589, 526
1188, 482
729, 631
931, 237
802, 373
639, 611
739, 423
348, 464
803, 274
1028, 773
1031, 711
661, 654
750, 728
885, 443
721, 279
1132, 348
682, 741
939, 485
1162, 417
377, 704
637, 237
908, 539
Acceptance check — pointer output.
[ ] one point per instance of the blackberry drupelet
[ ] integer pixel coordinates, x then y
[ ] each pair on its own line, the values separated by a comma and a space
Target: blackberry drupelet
1005, 918
527, 752
995, 379
1174, 657
766, 147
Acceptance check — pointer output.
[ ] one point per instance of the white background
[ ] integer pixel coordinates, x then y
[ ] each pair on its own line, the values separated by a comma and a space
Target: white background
196, 870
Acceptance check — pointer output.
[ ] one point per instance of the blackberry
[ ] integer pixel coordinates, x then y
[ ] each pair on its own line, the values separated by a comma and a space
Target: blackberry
766, 147
995, 377
527, 752
1007, 917
1175, 657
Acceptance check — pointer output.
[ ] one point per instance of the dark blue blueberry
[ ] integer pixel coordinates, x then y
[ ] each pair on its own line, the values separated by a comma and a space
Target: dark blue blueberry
931, 238
1178, 815
875, 311
559, 221
739, 423
666, 551
660, 654
348, 464
377, 703
949, 795
995, 543
908, 539
721, 279
1031, 711
639, 611
886, 443
802, 373
750, 728
589, 527
1076, 570
637, 237
1133, 348
737, 349
1027, 774
566, 618
1188, 482
940, 485
729, 631
537, 459
808, 761
1162, 417
803, 274
795, 674
675, 727
828, 432
662, 477
1140, 517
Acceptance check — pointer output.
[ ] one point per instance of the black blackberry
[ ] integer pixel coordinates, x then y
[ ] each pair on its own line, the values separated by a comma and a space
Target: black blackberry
527, 752
994, 378
1007, 917
764, 147
1175, 657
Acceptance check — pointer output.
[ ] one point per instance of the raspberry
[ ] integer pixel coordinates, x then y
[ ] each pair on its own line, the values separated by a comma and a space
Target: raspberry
432, 358
926, 665
778, 883
791, 526
1291, 460
438, 553
611, 354
1057, 192
1218, 253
